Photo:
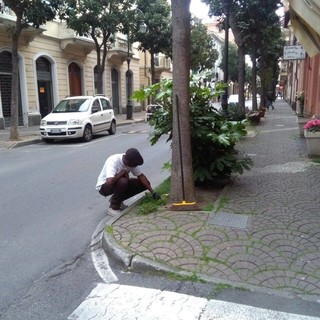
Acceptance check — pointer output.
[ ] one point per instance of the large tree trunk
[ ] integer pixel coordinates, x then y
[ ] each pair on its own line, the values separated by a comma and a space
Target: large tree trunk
182, 184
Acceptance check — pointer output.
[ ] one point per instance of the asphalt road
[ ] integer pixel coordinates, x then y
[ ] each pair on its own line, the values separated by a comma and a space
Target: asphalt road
49, 210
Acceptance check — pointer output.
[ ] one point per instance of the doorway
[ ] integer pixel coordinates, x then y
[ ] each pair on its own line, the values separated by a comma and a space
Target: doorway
75, 86
115, 90
44, 81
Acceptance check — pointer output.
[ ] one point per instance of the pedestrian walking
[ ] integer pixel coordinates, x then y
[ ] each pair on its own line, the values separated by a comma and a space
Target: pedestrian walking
114, 179
270, 99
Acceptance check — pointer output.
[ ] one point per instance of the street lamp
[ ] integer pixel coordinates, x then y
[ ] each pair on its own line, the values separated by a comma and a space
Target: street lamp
142, 29
224, 98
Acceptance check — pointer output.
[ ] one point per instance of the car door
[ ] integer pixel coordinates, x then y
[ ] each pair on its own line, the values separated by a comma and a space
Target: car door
107, 111
97, 116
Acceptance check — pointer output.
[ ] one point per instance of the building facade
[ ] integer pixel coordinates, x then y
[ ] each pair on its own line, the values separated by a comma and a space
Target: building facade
54, 63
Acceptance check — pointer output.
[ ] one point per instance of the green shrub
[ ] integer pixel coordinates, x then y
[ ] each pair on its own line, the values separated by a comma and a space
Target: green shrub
236, 112
213, 137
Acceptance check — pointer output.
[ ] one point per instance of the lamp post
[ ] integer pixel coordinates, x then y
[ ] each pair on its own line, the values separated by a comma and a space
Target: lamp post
224, 98
129, 107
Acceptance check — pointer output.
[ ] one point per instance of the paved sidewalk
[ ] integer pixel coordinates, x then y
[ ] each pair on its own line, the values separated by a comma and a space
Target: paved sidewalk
31, 135
264, 233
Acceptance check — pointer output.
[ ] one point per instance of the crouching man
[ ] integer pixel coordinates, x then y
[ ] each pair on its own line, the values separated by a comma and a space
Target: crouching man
114, 179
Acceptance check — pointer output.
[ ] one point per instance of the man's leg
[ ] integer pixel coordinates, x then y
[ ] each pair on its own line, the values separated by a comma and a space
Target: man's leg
119, 193
134, 187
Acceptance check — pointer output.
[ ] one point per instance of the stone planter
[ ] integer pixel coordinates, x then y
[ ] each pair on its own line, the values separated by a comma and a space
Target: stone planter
254, 117
262, 112
301, 123
313, 142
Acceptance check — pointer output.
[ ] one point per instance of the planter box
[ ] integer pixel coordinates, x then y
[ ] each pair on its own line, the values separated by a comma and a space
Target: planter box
301, 123
313, 142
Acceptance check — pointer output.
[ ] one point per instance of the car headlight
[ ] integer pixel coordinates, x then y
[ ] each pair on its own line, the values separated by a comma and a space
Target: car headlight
43, 123
73, 122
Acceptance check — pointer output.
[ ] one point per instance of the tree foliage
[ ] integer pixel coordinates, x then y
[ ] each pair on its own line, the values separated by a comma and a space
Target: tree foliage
203, 53
100, 20
158, 37
250, 21
28, 14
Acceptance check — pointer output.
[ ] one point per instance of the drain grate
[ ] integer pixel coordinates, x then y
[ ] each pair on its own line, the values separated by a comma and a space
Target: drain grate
225, 219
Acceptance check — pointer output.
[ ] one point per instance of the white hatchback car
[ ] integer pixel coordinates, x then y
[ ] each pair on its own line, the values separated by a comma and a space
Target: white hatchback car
78, 117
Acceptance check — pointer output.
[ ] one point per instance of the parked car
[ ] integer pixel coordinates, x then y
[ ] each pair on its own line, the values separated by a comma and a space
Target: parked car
78, 117
151, 109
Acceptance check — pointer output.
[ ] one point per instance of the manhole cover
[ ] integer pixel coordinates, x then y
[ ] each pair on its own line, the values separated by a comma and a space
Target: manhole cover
225, 219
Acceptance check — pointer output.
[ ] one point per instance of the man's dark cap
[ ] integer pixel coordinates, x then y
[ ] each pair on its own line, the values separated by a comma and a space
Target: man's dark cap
134, 157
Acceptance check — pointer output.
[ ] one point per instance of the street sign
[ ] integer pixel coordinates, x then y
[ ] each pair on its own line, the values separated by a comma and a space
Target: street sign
293, 53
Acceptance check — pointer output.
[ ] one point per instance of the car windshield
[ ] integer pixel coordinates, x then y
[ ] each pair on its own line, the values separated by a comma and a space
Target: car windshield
72, 105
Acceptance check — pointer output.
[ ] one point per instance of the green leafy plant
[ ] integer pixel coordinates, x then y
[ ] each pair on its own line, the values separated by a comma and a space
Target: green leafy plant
236, 112
213, 137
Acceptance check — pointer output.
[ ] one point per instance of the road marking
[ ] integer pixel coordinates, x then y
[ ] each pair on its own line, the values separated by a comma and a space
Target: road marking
117, 302
99, 257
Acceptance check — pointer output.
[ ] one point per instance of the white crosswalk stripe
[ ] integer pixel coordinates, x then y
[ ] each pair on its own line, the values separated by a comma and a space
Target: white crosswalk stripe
122, 302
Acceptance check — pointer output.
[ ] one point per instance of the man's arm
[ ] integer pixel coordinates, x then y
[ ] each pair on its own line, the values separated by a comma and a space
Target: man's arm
114, 179
143, 180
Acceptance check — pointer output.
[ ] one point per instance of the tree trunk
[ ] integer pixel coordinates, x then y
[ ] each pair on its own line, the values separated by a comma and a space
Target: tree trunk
14, 133
182, 184
241, 75
152, 67
241, 58
254, 80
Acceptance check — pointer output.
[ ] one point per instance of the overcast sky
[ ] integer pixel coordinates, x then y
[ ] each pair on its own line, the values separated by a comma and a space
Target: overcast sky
199, 9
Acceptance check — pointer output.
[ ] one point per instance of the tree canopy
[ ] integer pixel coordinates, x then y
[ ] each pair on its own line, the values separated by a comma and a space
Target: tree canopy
158, 37
203, 53
100, 20
28, 14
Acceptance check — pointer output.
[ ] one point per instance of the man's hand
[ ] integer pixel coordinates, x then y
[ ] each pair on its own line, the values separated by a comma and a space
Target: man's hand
156, 196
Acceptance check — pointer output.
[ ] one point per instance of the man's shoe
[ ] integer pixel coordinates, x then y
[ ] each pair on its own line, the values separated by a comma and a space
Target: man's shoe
123, 206
113, 212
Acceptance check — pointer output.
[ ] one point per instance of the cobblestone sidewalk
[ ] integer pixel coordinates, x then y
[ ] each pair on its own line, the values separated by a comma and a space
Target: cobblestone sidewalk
265, 234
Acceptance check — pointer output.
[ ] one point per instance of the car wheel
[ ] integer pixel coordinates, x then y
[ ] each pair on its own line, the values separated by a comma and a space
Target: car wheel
87, 134
47, 140
113, 128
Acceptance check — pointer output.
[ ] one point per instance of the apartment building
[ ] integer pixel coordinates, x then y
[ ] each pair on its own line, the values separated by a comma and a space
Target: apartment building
54, 63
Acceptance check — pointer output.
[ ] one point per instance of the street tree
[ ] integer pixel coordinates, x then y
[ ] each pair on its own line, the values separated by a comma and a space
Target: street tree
257, 23
220, 8
158, 37
267, 64
182, 184
233, 62
203, 53
100, 20
28, 14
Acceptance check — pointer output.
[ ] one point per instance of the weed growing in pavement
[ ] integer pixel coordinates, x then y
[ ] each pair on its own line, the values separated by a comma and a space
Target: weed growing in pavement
315, 159
109, 229
148, 205
221, 204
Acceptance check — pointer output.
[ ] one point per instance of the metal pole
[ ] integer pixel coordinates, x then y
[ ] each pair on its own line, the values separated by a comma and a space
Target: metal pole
129, 106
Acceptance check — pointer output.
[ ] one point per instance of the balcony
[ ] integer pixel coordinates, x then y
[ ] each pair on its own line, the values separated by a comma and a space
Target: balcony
8, 20
162, 64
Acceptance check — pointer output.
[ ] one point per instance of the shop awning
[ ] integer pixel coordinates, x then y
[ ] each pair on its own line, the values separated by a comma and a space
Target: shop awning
305, 17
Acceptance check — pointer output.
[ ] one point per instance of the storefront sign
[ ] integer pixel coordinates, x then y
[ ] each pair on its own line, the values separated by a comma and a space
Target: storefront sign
293, 53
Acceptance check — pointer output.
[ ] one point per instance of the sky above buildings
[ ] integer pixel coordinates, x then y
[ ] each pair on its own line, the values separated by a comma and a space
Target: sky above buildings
199, 9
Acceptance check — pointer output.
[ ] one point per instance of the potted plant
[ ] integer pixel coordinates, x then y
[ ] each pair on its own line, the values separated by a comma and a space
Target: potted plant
312, 135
